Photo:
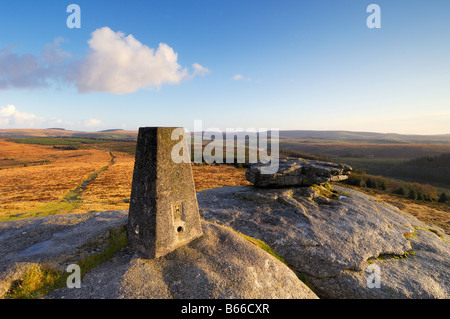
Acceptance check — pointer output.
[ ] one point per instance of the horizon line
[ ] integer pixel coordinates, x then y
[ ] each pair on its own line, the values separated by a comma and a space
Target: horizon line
243, 130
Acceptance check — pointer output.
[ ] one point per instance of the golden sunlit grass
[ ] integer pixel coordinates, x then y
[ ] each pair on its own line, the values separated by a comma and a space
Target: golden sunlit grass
41, 180
26, 187
109, 190
212, 176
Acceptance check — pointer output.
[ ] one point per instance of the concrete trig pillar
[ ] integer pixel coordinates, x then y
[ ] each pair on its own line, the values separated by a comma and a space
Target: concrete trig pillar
163, 211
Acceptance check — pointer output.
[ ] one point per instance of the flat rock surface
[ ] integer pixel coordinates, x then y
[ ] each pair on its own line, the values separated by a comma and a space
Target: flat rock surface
56, 237
220, 264
337, 242
54, 240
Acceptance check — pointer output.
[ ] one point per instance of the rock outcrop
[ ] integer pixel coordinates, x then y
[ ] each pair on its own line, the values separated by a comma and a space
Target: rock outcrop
298, 172
335, 241
220, 264
56, 241
343, 243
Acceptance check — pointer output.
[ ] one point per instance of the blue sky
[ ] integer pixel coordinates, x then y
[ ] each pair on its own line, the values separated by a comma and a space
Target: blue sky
251, 64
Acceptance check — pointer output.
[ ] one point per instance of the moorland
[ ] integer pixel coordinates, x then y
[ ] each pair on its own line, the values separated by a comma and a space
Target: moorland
57, 171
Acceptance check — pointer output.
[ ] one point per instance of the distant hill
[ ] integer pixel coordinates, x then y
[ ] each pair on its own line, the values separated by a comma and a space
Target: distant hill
346, 136
109, 134
357, 137
59, 132
111, 130
365, 136
19, 133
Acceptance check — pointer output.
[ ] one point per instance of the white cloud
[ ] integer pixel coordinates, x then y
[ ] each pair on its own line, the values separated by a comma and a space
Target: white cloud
93, 123
200, 70
23, 118
240, 77
121, 64
116, 63
11, 117
7, 111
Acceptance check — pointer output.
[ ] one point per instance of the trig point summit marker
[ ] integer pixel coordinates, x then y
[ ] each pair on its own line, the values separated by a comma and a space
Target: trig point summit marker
163, 211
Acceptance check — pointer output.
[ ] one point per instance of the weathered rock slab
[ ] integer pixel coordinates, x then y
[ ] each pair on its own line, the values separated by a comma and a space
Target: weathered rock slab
334, 241
220, 264
298, 172
56, 241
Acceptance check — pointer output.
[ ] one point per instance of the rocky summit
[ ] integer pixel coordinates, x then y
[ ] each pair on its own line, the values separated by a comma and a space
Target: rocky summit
320, 240
220, 264
344, 243
298, 172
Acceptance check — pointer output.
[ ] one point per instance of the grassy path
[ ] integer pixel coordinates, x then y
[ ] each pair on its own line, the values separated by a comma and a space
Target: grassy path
70, 201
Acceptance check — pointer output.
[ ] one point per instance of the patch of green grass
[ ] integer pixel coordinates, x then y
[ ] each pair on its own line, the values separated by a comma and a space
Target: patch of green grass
68, 203
34, 283
263, 246
54, 141
117, 241
408, 236
326, 190
434, 231
405, 255
40, 279
269, 250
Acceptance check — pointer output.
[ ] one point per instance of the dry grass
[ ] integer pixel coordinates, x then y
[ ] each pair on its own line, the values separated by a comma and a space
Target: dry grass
40, 180
212, 176
25, 185
366, 150
34, 133
110, 188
